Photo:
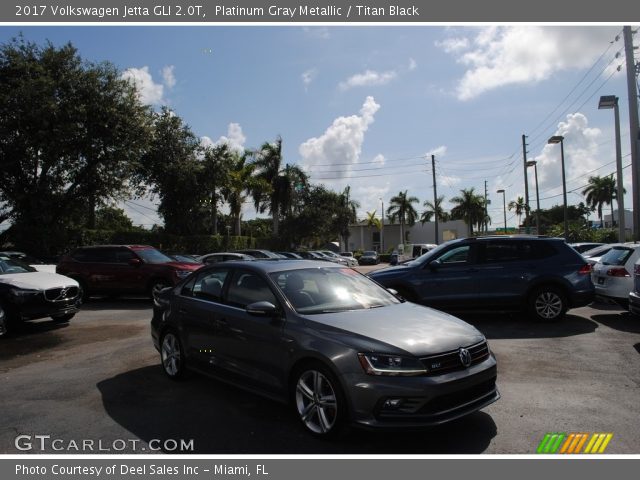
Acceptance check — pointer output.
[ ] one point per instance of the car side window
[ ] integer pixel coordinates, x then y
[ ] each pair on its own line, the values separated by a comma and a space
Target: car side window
456, 256
124, 256
247, 288
208, 285
500, 252
187, 289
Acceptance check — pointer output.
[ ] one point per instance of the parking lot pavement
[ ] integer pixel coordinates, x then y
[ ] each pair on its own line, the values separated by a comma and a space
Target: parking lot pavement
99, 379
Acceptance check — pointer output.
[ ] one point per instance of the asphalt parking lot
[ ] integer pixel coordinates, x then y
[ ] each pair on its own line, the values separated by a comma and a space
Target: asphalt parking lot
98, 378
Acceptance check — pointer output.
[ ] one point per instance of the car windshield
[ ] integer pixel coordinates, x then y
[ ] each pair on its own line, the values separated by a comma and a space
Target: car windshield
369, 254
151, 255
329, 290
616, 256
9, 265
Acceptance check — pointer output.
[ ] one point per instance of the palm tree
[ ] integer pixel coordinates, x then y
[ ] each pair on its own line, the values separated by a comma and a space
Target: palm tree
216, 165
281, 182
241, 181
347, 216
469, 207
401, 208
599, 192
434, 210
373, 221
519, 206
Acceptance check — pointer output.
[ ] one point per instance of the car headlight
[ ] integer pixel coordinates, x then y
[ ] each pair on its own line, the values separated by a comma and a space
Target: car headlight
20, 295
391, 365
182, 273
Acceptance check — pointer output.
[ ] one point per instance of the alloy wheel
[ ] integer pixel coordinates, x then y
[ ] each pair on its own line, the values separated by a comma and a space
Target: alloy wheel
316, 402
171, 354
548, 305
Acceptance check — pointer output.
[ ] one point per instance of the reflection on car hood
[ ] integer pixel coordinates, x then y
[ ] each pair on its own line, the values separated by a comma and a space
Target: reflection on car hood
413, 328
184, 266
37, 280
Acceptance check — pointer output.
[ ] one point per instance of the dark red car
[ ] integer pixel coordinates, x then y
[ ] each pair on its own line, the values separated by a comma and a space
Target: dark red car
123, 269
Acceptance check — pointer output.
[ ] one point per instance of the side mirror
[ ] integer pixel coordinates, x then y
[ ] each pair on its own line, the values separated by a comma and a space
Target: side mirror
435, 265
262, 309
135, 262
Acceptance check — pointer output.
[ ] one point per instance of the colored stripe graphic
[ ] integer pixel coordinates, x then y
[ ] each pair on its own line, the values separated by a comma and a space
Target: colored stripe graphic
564, 443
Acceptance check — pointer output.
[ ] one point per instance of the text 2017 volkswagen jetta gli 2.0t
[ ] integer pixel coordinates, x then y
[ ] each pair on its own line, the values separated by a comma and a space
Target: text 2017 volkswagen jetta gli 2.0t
337, 346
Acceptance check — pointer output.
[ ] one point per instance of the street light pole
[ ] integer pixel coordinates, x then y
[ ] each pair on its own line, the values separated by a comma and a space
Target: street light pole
504, 208
382, 229
606, 102
553, 140
534, 164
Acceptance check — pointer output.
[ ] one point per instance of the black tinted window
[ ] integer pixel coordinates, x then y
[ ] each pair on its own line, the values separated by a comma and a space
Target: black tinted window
208, 285
95, 255
247, 288
455, 256
538, 250
498, 252
124, 256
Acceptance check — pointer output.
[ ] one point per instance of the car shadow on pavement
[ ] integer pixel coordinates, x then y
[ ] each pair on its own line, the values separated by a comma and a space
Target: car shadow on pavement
28, 337
222, 419
117, 303
620, 320
511, 326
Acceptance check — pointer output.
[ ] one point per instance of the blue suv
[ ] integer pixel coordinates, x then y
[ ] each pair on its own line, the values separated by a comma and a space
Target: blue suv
541, 275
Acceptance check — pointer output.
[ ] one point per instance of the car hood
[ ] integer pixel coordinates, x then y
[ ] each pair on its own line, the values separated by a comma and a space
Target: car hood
392, 271
407, 326
37, 280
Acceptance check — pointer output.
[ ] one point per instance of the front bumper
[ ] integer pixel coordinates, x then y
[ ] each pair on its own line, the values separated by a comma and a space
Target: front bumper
634, 303
425, 401
34, 306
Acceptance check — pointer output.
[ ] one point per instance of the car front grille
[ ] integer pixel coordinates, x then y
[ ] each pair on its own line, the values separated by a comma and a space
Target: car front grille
450, 361
61, 294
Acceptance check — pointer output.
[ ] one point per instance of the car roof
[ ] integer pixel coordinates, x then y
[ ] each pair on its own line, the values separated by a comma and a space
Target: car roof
133, 247
277, 264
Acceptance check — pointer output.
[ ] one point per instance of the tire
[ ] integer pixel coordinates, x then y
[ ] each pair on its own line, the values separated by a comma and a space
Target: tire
156, 286
547, 304
4, 321
63, 318
172, 356
318, 400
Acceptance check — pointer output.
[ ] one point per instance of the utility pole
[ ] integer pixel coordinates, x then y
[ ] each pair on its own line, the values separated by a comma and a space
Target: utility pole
634, 128
486, 225
526, 183
435, 197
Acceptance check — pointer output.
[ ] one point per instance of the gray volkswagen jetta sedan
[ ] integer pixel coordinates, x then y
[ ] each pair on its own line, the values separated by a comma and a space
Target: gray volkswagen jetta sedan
327, 339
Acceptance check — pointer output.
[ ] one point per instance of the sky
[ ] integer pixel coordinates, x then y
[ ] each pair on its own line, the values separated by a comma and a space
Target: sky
366, 106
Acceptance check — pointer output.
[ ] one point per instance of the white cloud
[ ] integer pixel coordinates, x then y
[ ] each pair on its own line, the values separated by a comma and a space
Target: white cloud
341, 143
581, 153
235, 138
378, 160
367, 79
369, 197
317, 32
149, 92
438, 151
169, 76
499, 56
308, 77
412, 64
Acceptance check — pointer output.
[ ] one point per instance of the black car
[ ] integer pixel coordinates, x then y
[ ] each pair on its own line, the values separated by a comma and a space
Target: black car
27, 294
544, 276
326, 339
369, 258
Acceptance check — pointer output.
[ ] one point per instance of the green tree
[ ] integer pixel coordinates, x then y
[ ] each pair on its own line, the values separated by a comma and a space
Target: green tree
401, 209
173, 171
71, 133
601, 191
216, 163
434, 210
279, 182
113, 218
520, 207
373, 221
469, 206
241, 181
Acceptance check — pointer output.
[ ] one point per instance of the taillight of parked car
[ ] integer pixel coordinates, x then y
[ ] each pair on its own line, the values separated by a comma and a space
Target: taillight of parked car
618, 272
586, 269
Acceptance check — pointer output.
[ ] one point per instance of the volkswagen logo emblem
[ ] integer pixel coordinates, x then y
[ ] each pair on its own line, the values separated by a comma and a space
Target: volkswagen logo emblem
465, 357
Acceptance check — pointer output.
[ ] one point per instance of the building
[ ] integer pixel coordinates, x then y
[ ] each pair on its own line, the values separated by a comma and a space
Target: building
364, 237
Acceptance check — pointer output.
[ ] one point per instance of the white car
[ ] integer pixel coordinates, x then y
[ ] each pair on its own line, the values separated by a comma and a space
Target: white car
613, 274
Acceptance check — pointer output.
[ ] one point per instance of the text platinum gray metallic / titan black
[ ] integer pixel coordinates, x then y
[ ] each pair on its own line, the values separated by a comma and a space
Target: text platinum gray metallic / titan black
335, 345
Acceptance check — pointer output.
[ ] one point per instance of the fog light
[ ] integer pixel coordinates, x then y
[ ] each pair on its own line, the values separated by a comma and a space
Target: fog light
392, 403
